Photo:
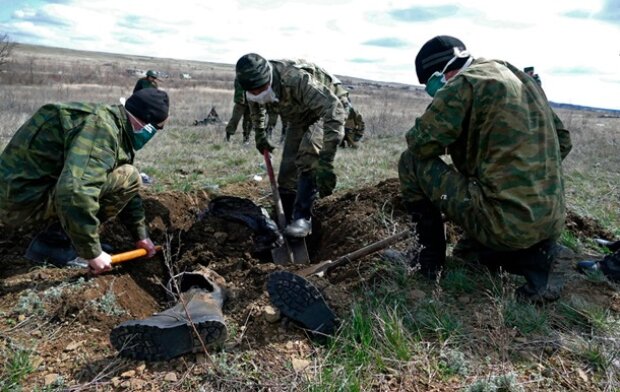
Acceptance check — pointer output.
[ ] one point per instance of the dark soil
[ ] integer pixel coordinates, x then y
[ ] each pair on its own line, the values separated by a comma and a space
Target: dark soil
71, 331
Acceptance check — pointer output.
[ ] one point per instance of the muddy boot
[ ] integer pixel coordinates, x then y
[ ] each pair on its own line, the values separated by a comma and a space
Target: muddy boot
301, 302
301, 224
170, 333
431, 252
535, 264
52, 246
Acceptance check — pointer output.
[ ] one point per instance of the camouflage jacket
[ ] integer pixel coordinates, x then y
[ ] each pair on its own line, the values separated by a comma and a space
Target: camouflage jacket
355, 124
306, 94
497, 126
144, 83
70, 149
239, 96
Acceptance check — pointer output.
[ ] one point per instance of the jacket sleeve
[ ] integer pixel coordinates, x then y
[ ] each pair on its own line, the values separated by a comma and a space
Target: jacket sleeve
88, 160
442, 122
563, 136
319, 99
133, 217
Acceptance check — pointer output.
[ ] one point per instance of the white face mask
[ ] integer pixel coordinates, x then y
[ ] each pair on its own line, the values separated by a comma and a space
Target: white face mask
265, 97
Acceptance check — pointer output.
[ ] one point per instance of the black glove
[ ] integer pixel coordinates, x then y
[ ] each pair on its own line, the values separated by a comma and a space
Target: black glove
263, 143
228, 137
325, 178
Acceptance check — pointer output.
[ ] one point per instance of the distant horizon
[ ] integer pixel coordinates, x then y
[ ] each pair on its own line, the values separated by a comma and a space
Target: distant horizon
552, 102
570, 43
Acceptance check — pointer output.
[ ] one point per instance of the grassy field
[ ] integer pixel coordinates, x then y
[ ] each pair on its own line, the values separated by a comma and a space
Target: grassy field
465, 332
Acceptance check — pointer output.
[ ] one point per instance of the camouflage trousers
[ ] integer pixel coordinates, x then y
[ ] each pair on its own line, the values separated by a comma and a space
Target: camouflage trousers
461, 199
122, 185
240, 111
302, 146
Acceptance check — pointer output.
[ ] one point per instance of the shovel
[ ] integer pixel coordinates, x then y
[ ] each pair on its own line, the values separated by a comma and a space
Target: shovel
325, 266
131, 255
293, 251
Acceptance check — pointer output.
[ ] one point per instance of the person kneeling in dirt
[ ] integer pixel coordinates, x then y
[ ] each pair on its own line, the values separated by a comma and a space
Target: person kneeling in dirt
304, 94
70, 167
507, 191
354, 128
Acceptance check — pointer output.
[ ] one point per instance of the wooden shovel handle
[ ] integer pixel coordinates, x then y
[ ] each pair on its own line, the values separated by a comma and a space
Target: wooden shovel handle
130, 255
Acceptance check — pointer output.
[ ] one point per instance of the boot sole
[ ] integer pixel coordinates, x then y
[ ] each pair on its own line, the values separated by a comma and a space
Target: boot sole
300, 301
152, 343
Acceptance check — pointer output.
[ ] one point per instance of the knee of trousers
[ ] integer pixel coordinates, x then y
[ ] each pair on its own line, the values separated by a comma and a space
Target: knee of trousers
125, 179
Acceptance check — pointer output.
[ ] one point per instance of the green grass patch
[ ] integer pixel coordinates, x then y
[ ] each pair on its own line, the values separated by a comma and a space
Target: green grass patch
527, 318
17, 365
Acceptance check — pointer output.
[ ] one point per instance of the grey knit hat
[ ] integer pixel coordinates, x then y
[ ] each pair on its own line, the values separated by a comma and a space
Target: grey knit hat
253, 71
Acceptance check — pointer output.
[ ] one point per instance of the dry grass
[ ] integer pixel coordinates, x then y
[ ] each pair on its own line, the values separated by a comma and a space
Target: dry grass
389, 341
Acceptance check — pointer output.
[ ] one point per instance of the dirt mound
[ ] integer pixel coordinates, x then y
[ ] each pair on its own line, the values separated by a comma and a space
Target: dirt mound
47, 300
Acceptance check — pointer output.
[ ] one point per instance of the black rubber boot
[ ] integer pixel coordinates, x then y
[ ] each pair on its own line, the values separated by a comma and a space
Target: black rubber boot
301, 223
288, 203
431, 252
535, 264
609, 266
169, 334
52, 246
300, 301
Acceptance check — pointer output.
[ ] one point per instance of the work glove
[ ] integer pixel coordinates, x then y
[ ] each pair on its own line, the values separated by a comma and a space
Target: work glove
262, 142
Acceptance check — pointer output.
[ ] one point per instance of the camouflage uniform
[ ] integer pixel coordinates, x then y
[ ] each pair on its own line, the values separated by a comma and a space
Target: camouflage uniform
145, 83
240, 110
507, 146
354, 127
72, 161
308, 96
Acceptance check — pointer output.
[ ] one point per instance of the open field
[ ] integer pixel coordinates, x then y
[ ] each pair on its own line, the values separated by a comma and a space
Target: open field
399, 332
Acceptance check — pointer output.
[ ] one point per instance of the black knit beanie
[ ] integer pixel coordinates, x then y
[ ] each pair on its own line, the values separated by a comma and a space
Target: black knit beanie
435, 54
150, 105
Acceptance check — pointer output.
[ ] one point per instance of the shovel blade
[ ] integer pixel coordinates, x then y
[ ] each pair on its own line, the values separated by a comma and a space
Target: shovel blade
291, 252
299, 249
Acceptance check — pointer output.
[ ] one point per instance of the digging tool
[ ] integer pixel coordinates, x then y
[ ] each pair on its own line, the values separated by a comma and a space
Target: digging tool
131, 255
325, 266
293, 250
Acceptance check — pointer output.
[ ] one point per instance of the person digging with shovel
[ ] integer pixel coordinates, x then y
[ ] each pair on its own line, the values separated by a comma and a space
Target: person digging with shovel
70, 167
312, 104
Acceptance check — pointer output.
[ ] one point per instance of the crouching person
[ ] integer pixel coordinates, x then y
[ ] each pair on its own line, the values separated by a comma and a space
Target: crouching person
69, 167
507, 146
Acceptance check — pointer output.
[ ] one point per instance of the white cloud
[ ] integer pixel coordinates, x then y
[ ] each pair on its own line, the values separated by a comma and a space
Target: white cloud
332, 32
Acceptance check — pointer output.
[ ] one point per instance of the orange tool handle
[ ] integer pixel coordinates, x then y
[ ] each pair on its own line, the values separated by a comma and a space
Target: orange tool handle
132, 254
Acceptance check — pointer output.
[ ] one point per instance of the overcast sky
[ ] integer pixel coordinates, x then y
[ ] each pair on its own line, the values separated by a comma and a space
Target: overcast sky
574, 44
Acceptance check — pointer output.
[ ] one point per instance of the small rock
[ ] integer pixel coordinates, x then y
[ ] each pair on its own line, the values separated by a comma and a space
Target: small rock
36, 333
50, 378
73, 345
170, 377
126, 384
582, 375
300, 364
36, 362
137, 384
271, 314
21, 318
140, 369
464, 299
521, 339
116, 382
128, 374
